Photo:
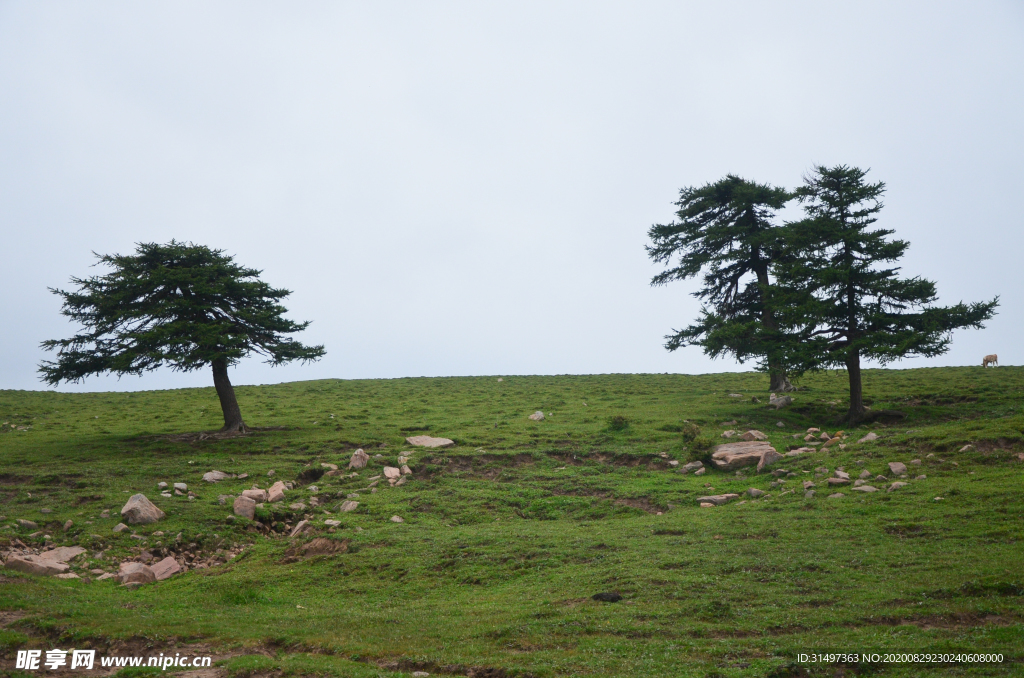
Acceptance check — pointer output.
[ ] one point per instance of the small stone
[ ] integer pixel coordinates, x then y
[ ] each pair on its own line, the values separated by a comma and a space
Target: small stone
865, 474
276, 492
755, 493
673, 463
753, 435
691, 466
331, 467
406, 470
392, 472
257, 495
396, 519
897, 468
728, 434
869, 437
120, 527
837, 495
135, 573
270, 473
780, 424
423, 674
27, 524
938, 498
359, 459
895, 486
809, 494
427, 441
718, 499
808, 484
140, 511
216, 476
779, 403
223, 499
106, 575
67, 575
699, 472
299, 527
865, 488
349, 506
35, 565
298, 506
967, 448
537, 416
915, 462
245, 507
166, 568
181, 486
921, 477
841, 474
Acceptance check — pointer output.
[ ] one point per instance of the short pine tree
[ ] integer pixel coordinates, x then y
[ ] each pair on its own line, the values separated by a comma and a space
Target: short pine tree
182, 305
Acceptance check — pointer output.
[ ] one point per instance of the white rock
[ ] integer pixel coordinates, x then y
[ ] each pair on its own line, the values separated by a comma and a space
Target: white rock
396, 519
140, 510
349, 506
537, 416
427, 441
869, 437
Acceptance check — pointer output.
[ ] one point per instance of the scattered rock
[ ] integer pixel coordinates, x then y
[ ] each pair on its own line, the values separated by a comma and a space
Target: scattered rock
731, 456
135, 573
808, 484
865, 488
299, 527
838, 481
753, 435
673, 463
865, 474
166, 568
780, 424
728, 434
216, 476
408, 471
161, 486
256, 494
139, 511
106, 575
779, 403
427, 441
921, 477
537, 416
897, 468
181, 487
841, 474
330, 467
967, 448
349, 506
67, 575
120, 527
270, 473
837, 495
396, 519
359, 459
915, 462
245, 507
276, 492
809, 494
895, 486
423, 674
298, 506
767, 459
700, 471
607, 597
735, 395
706, 504
691, 466
718, 499
392, 472
332, 523
35, 565
755, 493
67, 525
27, 524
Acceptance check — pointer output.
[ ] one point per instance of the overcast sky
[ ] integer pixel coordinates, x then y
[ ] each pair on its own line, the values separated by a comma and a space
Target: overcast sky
465, 188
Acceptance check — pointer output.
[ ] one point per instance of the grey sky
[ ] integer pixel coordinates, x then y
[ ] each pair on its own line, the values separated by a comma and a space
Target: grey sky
465, 188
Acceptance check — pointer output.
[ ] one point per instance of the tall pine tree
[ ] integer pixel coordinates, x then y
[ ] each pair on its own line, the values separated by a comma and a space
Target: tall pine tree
842, 293
726, 230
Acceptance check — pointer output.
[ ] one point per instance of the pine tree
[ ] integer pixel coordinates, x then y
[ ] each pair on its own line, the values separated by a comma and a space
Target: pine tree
843, 295
726, 231
185, 306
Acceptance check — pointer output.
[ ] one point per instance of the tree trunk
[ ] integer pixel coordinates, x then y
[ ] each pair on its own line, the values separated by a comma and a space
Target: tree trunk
779, 381
232, 415
857, 410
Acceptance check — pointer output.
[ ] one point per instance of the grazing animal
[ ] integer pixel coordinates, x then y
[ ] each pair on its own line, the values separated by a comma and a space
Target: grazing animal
994, 359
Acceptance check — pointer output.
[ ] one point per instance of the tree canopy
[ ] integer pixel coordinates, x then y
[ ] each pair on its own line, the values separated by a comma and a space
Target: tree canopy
726, 231
182, 305
841, 295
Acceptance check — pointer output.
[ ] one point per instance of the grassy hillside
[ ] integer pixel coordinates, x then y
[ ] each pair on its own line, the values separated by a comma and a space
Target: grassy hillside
509, 533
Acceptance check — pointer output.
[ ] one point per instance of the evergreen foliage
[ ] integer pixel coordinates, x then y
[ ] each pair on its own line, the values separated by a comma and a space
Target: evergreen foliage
726, 231
182, 305
840, 294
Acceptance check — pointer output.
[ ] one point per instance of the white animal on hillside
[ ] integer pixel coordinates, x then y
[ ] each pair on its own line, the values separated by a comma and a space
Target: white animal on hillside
994, 359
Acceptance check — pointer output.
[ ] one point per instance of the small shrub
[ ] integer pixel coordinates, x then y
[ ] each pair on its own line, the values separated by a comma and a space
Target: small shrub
618, 423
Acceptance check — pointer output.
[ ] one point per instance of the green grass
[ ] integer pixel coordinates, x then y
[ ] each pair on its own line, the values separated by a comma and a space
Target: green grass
508, 534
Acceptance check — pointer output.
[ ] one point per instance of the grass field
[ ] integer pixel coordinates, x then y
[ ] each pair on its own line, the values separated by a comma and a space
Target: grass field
509, 533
